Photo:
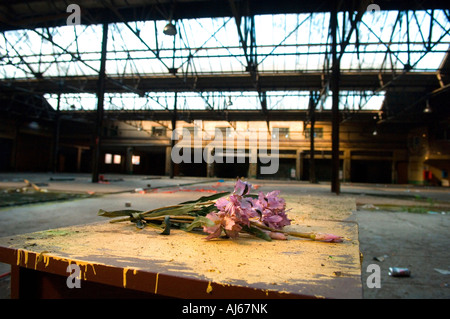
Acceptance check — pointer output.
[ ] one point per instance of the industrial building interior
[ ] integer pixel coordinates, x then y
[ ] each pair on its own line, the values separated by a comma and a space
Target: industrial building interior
355, 94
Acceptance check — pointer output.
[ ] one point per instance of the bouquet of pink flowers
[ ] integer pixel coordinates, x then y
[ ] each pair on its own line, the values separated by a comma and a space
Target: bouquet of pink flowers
262, 215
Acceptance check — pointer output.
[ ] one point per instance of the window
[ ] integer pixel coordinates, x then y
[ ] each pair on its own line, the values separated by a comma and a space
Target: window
158, 131
283, 132
108, 158
117, 159
318, 132
136, 160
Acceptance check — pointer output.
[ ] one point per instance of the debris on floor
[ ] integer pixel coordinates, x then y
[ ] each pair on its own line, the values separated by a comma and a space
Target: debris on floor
442, 271
380, 258
369, 206
399, 272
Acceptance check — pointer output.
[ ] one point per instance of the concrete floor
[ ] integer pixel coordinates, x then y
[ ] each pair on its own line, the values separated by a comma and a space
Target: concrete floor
417, 239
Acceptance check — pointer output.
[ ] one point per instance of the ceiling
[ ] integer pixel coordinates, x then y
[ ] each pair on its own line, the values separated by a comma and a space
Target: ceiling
43, 57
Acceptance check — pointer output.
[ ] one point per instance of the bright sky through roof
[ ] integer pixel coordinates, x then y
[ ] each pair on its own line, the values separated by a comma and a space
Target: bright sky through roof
285, 43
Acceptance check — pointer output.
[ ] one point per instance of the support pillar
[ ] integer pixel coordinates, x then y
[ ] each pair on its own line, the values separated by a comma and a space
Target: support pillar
168, 160
252, 170
100, 100
209, 158
172, 140
300, 157
335, 184
347, 166
312, 165
79, 153
56, 134
129, 161
297, 165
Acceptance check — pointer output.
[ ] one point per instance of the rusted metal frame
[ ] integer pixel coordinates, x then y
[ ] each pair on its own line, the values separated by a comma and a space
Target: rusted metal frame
35, 74
250, 52
191, 55
128, 59
115, 82
429, 49
30, 94
57, 56
237, 19
432, 46
420, 30
155, 53
388, 49
285, 38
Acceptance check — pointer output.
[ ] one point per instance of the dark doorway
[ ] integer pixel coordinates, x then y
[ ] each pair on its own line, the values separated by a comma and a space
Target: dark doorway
363, 171
233, 169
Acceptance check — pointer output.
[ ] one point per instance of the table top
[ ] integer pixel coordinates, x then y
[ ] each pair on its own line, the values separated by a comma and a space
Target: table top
185, 265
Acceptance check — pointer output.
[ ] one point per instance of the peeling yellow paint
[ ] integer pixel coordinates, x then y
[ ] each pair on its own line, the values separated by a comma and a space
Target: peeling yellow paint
125, 270
18, 256
20, 253
209, 288
156, 284
42, 257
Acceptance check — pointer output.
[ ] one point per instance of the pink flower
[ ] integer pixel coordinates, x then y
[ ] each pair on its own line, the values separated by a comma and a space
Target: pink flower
272, 209
231, 227
328, 238
221, 203
215, 230
275, 202
242, 188
236, 211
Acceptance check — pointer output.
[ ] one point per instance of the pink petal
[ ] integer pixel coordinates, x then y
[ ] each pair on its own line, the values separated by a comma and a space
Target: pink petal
279, 236
328, 238
216, 234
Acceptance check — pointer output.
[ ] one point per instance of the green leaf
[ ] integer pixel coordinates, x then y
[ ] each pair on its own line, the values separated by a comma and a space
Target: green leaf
200, 221
256, 232
207, 198
166, 224
135, 217
205, 210
118, 213
171, 210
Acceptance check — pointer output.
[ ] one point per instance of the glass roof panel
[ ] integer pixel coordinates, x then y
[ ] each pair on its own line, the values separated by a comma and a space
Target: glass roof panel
283, 43
276, 100
385, 40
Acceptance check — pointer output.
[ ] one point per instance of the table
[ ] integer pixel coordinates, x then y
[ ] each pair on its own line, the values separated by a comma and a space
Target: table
117, 260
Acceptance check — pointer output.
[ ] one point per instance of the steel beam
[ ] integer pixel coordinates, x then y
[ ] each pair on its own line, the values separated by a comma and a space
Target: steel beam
100, 100
335, 185
288, 81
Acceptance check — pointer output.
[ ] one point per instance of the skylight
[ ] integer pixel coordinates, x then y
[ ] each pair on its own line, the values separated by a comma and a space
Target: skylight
290, 43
